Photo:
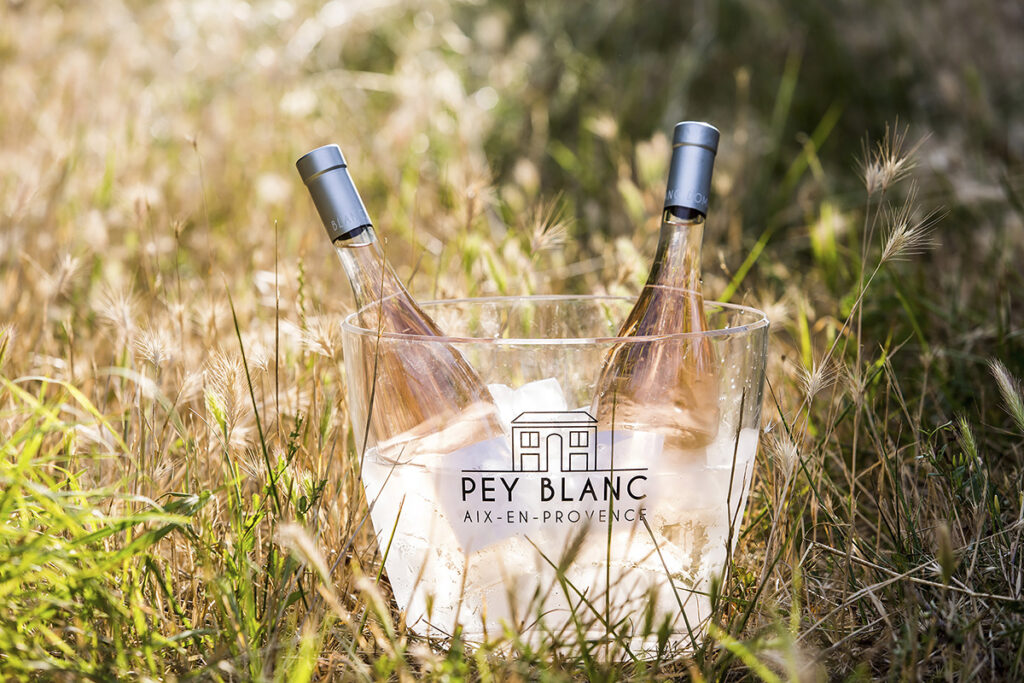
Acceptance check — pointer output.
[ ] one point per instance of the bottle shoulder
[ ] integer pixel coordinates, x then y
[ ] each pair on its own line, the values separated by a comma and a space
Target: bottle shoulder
665, 310
398, 313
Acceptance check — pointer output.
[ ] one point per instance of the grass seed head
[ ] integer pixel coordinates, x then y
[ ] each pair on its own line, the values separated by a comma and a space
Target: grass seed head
227, 397
58, 281
322, 336
155, 347
889, 161
117, 309
821, 376
906, 236
785, 451
1010, 388
548, 225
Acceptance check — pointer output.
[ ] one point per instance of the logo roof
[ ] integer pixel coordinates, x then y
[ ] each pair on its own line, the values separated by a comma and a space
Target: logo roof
555, 417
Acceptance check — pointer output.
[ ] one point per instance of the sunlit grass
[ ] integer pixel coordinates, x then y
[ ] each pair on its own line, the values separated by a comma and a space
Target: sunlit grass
179, 489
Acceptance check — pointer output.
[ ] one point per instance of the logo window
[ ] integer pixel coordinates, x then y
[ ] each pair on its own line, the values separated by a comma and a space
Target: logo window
529, 439
578, 439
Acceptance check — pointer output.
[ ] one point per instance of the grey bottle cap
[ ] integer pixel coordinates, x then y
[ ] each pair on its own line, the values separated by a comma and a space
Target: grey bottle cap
325, 174
694, 145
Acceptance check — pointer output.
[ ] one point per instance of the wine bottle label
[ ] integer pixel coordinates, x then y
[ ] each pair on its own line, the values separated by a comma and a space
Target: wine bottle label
558, 471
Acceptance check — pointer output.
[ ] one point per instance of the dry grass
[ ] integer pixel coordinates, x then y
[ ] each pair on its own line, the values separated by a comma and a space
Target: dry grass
178, 490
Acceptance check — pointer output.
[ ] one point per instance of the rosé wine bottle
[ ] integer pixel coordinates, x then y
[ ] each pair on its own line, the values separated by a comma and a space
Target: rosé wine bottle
426, 398
670, 385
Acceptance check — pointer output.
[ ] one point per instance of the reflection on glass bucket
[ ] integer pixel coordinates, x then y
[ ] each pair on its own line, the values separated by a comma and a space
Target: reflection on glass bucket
561, 520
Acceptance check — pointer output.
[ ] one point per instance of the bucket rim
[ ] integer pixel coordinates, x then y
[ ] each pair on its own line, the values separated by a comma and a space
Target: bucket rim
758, 320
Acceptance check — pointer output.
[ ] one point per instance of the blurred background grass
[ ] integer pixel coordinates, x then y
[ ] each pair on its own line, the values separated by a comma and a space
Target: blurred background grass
146, 172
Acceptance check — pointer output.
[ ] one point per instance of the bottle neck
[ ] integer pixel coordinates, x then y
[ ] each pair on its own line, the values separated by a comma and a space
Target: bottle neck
677, 260
370, 275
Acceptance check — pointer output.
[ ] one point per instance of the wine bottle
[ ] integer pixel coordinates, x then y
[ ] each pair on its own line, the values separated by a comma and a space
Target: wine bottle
670, 385
426, 397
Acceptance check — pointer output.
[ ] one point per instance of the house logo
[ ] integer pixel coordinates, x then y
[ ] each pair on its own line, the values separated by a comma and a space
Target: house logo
565, 440
558, 441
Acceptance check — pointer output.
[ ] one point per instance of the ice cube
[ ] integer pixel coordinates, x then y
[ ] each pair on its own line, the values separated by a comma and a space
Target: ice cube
540, 395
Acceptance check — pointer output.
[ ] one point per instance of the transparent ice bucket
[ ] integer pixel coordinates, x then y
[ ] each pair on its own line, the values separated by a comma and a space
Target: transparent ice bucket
562, 525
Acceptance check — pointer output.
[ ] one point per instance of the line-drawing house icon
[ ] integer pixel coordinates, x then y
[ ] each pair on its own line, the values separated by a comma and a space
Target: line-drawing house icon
569, 438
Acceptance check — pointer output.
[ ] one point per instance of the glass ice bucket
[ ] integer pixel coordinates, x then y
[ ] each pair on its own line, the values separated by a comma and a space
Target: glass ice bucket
560, 524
